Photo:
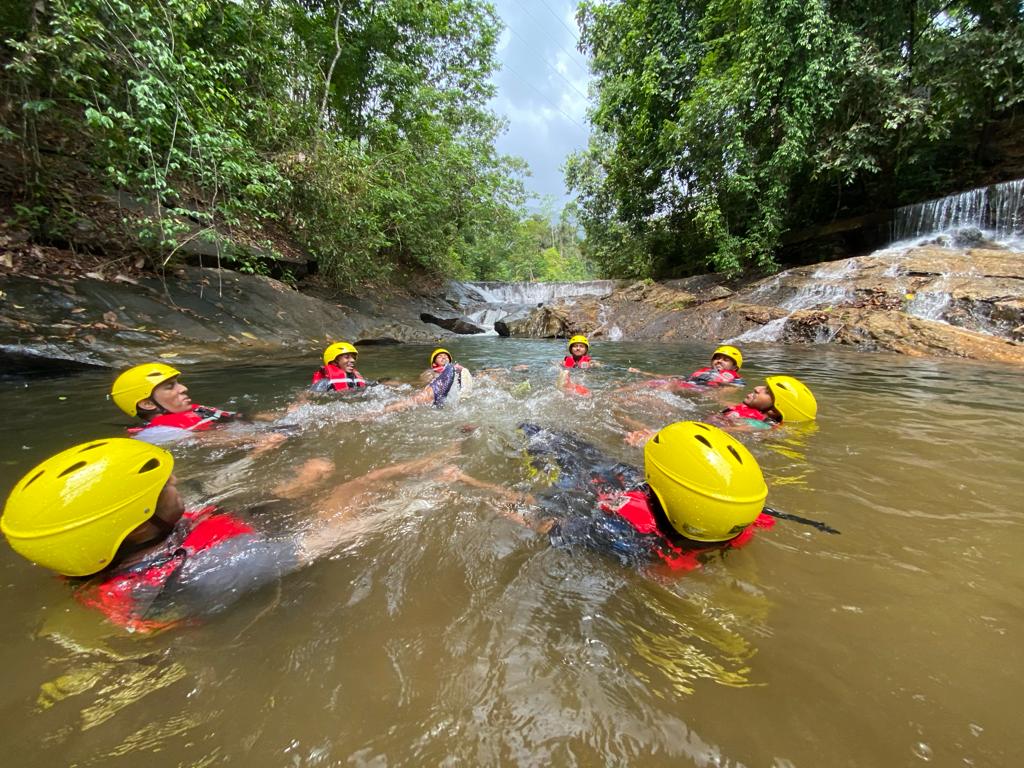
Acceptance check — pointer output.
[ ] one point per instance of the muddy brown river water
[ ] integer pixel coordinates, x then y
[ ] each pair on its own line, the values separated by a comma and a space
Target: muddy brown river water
440, 633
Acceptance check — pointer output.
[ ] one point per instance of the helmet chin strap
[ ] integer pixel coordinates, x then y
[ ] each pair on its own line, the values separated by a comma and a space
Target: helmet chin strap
164, 527
127, 550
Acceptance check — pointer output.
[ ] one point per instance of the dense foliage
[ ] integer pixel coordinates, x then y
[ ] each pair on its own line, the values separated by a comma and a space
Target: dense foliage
721, 124
358, 128
540, 249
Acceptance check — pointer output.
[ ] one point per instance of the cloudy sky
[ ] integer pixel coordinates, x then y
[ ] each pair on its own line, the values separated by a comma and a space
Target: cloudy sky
542, 89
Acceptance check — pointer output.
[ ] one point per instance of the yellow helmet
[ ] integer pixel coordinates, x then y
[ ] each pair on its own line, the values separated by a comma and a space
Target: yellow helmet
730, 352
340, 348
708, 483
580, 339
72, 512
437, 352
793, 400
138, 383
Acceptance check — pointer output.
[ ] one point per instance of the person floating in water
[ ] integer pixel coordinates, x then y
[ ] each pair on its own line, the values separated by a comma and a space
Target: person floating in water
339, 372
440, 360
107, 513
724, 370
780, 399
579, 353
701, 491
154, 393
448, 382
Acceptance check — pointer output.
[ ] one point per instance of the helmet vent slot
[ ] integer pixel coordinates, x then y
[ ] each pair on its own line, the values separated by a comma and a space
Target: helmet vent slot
702, 439
76, 466
734, 453
149, 466
91, 446
702, 426
35, 477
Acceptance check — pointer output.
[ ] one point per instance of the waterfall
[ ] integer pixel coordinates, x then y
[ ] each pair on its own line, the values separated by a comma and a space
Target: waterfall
483, 303
807, 297
997, 211
534, 293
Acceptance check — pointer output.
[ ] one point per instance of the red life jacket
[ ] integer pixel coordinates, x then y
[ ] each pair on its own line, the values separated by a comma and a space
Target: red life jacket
198, 419
124, 595
339, 378
709, 377
635, 508
572, 362
742, 411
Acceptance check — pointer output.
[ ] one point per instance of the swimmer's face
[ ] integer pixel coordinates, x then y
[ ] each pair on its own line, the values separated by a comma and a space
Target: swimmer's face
442, 359
169, 509
723, 363
171, 395
759, 398
169, 506
346, 361
578, 350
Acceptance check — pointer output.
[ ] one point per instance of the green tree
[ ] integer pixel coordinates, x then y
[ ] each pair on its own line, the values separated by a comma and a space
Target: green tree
360, 128
720, 124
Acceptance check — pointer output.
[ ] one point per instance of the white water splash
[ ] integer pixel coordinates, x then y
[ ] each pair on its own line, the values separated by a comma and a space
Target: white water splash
819, 294
485, 318
930, 305
835, 270
771, 331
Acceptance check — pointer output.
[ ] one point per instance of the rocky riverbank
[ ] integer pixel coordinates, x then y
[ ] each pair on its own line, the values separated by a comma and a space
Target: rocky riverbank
60, 312
928, 300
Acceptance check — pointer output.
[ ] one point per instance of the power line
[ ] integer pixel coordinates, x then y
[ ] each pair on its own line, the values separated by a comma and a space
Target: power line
549, 64
567, 29
545, 97
540, 24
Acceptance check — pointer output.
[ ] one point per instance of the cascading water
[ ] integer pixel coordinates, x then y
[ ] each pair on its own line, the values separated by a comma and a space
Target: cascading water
808, 297
534, 293
994, 214
484, 303
997, 212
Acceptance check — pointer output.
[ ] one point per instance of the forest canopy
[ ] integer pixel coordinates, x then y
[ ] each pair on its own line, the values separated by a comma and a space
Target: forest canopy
358, 129
719, 125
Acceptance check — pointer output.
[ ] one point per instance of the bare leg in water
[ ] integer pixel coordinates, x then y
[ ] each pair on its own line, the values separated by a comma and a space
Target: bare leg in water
342, 505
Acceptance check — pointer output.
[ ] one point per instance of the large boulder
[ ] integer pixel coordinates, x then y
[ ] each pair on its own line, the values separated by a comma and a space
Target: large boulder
454, 324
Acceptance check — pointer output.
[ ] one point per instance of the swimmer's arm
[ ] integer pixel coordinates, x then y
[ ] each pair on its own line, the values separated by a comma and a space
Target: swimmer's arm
639, 433
424, 397
512, 500
726, 395
453, 474
638, 438
648, 374
630, 422
259, 443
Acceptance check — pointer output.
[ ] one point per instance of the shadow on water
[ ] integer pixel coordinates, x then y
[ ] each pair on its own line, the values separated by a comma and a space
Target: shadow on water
439, 632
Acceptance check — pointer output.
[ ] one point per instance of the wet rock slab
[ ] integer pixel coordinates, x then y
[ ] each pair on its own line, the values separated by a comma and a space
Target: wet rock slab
928, 300
196, 314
